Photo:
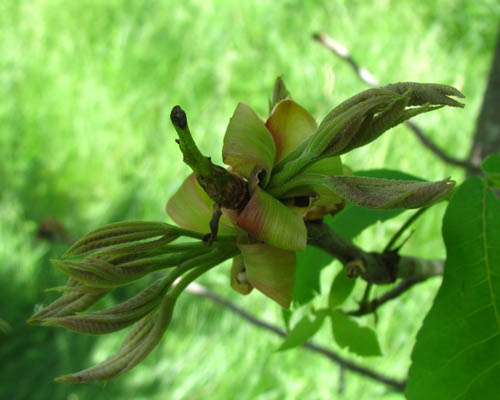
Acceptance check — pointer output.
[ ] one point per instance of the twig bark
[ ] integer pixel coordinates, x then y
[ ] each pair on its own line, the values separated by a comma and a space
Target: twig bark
364, 75
378, 268
201, 291
392, 294
487, 137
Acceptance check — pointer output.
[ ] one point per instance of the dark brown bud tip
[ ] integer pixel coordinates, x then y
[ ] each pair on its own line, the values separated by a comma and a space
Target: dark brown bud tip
178, 117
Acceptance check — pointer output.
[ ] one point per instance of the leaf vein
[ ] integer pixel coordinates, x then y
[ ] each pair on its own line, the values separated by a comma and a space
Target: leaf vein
478, 376
486, 255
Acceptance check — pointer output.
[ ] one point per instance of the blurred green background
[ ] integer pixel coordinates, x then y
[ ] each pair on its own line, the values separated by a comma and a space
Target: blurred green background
86, 88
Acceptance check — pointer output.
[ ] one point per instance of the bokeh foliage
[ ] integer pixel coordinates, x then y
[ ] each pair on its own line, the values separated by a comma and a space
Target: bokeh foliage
86, 90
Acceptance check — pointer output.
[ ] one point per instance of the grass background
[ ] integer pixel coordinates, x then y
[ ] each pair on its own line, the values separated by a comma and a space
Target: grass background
86, 88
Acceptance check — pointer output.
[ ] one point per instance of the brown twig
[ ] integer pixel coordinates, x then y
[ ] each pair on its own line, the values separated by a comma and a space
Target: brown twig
378, 268
399, 289
201, 291
364, 75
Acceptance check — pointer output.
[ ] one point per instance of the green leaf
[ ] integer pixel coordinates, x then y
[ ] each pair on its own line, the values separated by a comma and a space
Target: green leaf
341, 288
286, 315
309, 185
390, 193
309, 266
141, 340
357, 339
491, 167
191, 208
303, 330
267, 219
457, 352
247, 143
290, 125
326, 166
270, 270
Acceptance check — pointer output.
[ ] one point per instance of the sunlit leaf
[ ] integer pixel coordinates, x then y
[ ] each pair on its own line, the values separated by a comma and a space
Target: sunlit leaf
270, 270
326, 166
270, 221
191, 208
457, 352
303, 330
355, 338
247, 143
290, 125
309, 266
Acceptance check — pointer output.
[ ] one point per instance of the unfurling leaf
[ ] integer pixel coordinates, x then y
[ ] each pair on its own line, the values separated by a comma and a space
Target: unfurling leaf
121, 232
117, 317
390, 193
191, 208
427, 93
303, 330
267, 219
101, 272
138, 344
357, 339
360, 120
290, 125
248, 144
270, 270
77, 300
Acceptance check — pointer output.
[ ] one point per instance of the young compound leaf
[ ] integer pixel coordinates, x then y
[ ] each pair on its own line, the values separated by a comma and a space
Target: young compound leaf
138, 344
303, 330
390, 193
491, 167
341, 288
457, 352
357, 339
349, 223
355, 219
